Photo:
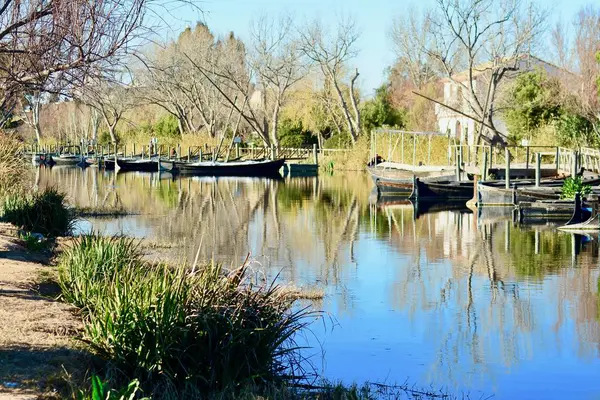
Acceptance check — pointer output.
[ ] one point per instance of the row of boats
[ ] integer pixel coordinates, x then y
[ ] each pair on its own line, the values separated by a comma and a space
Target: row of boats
252, 168
531, 202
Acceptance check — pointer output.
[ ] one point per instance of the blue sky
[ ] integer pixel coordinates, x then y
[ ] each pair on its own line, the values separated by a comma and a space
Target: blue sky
374, 17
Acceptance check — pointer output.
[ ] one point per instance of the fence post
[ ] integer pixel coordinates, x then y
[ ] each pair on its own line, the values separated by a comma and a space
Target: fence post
414, 149
484, 167
507, 168
402, 148
429, 151
315, 154
538, 169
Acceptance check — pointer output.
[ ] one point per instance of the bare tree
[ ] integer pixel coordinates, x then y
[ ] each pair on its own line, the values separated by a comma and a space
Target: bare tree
31, 103
277, 63
477, 44
577, 54
411, 37
111, 99
330, 53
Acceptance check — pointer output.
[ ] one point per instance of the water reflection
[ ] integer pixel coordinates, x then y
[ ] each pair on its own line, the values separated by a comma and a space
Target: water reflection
435, 293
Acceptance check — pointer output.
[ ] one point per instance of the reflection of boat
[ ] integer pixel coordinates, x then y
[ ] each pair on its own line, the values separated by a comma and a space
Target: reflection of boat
421, 207
242, 168
132, 164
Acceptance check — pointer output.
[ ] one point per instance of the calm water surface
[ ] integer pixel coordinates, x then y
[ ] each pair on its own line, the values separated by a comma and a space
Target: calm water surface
433, 297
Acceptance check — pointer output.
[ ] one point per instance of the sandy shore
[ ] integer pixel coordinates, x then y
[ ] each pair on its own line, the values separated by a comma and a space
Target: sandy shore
37, 349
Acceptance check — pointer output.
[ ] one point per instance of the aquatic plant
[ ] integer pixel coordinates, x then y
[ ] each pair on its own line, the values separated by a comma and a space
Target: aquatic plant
176, 327
43, 212
572, 186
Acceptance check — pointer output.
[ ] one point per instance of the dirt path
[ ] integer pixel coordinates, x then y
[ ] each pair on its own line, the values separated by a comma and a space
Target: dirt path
36, 332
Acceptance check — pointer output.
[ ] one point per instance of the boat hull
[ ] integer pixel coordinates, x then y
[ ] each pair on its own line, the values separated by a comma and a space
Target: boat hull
147, 165
248, 169
443, 189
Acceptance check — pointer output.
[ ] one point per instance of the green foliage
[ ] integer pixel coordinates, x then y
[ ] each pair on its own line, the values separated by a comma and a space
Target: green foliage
379, 112
43, 212
101, 391
575, 130
532, 104
292, 134
191, 328
572, 186
166, 127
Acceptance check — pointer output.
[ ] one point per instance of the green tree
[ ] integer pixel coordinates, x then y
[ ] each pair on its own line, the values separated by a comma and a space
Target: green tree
379, 111
531, 104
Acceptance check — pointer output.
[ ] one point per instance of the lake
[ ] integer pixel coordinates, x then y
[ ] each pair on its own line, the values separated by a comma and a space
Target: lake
435, 295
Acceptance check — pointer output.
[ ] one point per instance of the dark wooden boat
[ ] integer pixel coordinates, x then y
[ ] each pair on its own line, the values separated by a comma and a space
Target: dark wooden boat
240, 168
443, 188
573, 211
132, 164
583, 219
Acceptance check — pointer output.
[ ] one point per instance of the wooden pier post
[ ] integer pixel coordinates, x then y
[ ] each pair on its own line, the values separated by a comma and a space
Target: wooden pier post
200, 153
125, 150
237, 150
133, 153
272, 152
189, 154
574, 163
414, 150
538, 169
557, 159
507, 170
484, 166
457, 159
527, 158
179, 151
315, 154
252, 151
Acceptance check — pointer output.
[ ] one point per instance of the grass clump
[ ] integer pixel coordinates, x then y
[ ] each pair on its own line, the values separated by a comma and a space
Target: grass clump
43, 212
13, 169
178, 328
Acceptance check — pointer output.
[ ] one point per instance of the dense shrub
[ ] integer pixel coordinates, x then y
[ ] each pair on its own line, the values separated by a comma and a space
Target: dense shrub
198, 328
43, 212
292, 134
572, 186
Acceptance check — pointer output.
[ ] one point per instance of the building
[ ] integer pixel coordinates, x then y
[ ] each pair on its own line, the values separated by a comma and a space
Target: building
463, 128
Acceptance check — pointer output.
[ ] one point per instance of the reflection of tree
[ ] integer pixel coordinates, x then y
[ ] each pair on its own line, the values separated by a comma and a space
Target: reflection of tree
466, 282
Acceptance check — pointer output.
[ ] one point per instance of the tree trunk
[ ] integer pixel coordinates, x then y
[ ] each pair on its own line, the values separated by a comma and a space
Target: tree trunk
354, 101
36, 120
346, 111
274, 125
112, 133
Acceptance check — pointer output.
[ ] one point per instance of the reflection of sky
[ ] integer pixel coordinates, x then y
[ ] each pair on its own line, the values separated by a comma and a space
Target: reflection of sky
431, 344
399, 317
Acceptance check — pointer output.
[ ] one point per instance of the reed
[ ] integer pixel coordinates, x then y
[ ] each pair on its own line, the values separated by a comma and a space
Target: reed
180, 328
13, 172
43, 212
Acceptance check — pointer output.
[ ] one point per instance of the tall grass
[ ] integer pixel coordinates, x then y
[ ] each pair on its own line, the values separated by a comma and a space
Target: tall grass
180, 328
43, 212
13, 169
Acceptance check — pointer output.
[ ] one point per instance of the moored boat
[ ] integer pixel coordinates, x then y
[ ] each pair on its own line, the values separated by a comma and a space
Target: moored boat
68, 160
392, 183
132, 164
443, 188
238, 168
